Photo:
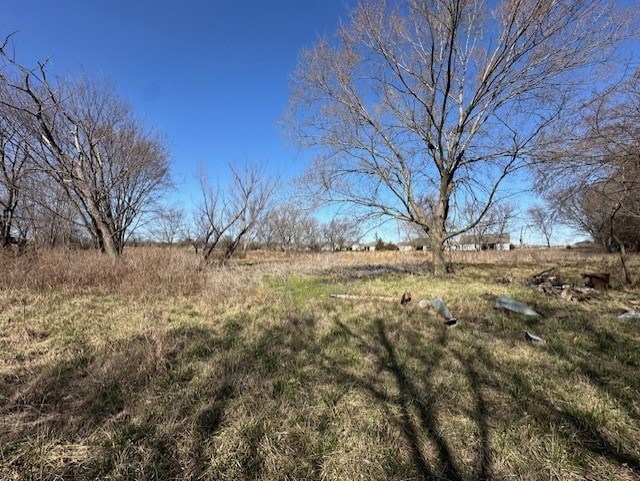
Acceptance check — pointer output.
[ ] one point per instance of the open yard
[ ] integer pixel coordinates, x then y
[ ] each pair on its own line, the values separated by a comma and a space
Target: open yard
156, 368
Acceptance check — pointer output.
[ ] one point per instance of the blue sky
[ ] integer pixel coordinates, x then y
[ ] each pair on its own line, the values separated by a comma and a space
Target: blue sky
212, 75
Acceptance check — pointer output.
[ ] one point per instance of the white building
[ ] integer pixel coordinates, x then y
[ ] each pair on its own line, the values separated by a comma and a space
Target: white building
474, 242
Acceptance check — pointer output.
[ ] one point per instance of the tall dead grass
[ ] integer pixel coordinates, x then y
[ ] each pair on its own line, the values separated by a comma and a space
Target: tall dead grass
156, 271
142, 272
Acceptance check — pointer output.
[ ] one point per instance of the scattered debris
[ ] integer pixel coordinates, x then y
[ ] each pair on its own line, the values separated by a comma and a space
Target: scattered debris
441, 308
406, 298
530, 337
423, 304
542, 277
631, 314
576, 294
553, 285
512, 305
598, 280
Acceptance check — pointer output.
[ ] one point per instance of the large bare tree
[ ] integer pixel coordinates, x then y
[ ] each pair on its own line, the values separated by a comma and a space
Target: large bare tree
87, 140
417, 107
592, 173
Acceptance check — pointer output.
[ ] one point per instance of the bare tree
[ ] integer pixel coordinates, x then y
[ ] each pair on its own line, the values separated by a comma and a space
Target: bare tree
544, 219
339, 232
309, 235
507, 212
168, 224
225, 217
47, 217
605, 214
88, 141
592, 173
495, 220
442, 100
33, 208
288, 226
284, 223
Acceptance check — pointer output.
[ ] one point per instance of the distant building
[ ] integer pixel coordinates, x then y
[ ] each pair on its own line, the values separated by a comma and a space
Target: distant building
421, 244
493, 242
370, 247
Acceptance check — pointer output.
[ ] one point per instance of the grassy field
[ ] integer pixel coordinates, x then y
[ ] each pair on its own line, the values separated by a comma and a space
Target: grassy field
157, 368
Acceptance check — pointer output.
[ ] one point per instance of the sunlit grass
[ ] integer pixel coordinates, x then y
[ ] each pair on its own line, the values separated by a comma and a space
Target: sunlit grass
255, 371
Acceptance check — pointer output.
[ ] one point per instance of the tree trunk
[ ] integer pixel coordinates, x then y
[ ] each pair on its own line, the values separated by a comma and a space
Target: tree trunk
622, 251
436, 235
105, 241
437, 231
7, 220
439, 263
110, 247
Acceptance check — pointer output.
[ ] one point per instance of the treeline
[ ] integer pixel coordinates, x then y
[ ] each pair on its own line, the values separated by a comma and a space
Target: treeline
283, 227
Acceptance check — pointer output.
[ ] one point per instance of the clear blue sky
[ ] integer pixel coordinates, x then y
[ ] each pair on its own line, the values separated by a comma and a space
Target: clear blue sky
212, 75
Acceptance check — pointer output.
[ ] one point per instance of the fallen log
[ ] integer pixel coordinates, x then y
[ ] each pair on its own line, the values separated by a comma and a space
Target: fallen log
357, 297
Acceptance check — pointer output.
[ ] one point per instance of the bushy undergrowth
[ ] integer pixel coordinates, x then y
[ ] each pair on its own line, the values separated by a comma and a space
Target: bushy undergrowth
161, 368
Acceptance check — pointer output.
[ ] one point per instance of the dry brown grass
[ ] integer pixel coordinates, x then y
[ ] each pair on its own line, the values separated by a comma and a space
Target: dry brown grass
158, 368
179, 272
143, 272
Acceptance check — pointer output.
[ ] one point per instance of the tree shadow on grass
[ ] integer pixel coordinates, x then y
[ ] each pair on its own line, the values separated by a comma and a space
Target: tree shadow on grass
411, 399
616, 372
153, 405
582, 430
547, 409
415, 368
377, 271
419, 408
611, 367
80, 416
244, 401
